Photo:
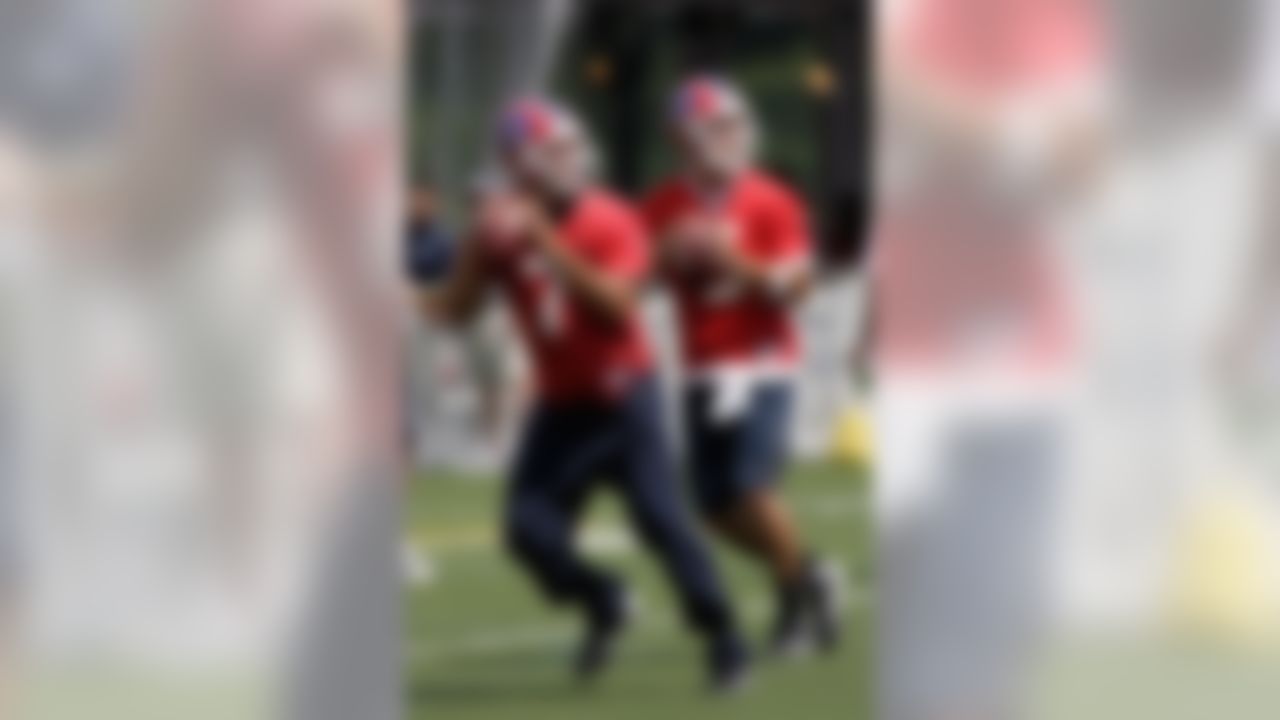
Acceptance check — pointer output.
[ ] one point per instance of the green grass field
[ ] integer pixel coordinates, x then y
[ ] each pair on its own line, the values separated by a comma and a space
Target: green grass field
482, 644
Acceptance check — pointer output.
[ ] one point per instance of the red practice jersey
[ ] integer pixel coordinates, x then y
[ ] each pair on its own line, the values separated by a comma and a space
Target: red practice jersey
722, 324
578, 355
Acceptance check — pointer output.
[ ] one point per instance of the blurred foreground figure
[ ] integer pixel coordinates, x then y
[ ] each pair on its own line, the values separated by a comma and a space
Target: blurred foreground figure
570, 259
199, 381
1181, 397
736, 247
972, 341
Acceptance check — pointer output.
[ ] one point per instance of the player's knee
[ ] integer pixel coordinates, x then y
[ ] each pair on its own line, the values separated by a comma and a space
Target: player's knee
668, 531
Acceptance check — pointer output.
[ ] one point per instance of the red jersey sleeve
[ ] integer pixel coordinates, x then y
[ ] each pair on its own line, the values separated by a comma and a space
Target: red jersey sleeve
789, 238
618, 244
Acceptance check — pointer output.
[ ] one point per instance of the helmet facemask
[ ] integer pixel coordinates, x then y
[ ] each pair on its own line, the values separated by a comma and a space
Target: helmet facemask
550, 152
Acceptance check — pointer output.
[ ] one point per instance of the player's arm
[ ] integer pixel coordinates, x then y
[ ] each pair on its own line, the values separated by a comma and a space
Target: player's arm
458, 299
782, 273
606, 291
787, 280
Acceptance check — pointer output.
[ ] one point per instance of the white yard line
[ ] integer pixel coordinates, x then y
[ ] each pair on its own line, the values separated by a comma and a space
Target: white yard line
557, 636
599, 539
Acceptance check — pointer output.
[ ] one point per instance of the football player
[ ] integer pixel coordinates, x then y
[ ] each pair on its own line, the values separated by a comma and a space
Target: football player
734, 244
570, 259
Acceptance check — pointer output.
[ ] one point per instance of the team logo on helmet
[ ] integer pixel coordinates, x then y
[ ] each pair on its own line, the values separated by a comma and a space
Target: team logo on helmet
715, 124
705, 96
531, 121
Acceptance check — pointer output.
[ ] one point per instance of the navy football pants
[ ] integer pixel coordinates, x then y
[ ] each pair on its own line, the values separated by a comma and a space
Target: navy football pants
569, 448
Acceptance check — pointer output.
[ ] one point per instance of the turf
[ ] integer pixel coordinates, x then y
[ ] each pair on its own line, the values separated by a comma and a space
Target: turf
481, 644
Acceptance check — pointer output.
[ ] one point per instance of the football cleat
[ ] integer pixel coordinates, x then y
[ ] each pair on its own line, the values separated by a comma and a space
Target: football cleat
792, 635
825, 588
605, 624
728, 664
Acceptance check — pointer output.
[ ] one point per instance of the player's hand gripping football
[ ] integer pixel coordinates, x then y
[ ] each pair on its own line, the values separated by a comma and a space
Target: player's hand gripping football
702, 243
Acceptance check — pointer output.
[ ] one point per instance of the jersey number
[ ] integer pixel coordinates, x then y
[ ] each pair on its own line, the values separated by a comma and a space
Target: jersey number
549, 301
